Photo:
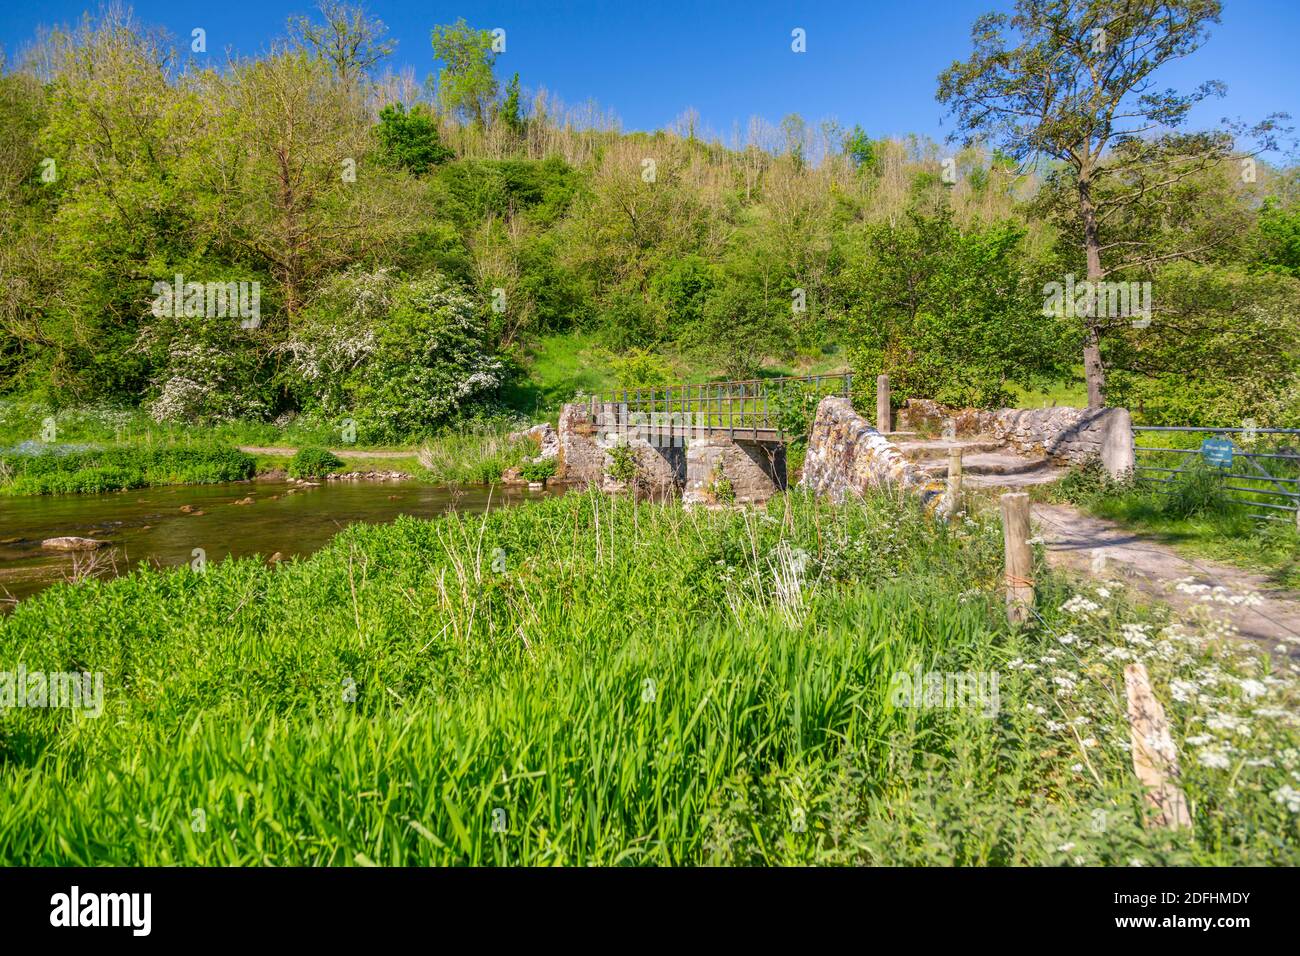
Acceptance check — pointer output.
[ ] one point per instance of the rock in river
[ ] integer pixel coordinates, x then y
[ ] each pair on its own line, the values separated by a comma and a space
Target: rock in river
71, 544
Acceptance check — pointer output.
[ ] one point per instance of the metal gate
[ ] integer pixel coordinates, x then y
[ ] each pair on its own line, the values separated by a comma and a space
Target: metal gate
1259, 467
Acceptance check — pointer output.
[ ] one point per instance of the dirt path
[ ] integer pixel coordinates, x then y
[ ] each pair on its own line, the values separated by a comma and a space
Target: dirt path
341, 452
1075, 540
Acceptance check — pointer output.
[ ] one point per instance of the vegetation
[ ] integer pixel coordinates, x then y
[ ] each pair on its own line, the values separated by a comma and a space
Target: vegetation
623, 465
477, 456
498, 252
630, 684
537, 471
113, 469
313, 463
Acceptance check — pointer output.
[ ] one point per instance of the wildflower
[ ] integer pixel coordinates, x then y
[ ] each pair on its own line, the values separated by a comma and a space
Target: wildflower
1067, 638
1213, 758
1080, 605
1288, 796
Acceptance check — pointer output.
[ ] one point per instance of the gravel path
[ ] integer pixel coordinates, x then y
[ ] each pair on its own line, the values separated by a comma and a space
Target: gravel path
341, 452
1075, 540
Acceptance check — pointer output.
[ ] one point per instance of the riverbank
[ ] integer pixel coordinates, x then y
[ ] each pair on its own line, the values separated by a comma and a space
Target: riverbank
587, 680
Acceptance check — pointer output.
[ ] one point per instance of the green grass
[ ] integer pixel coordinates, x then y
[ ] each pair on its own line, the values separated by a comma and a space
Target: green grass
112, 469
611, 683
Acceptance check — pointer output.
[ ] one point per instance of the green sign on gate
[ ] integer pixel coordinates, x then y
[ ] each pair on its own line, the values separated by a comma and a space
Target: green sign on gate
1217, 452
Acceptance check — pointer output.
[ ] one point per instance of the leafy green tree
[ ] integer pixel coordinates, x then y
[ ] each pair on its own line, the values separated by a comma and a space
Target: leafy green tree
860, 149
410, 141
512, 109
1074, 81
1279, 228
950, 314
466, 84
739, 328
1227, 349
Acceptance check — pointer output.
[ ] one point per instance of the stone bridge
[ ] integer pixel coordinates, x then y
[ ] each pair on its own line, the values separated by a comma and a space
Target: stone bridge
727, 441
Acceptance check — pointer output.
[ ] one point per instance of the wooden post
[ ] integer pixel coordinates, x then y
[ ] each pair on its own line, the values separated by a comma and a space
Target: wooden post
954, 482
1155, 760
882, 404
1019, 559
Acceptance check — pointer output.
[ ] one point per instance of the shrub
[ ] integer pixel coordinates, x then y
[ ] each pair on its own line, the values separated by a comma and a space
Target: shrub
623, 468
538, 470
313, 463
404, 357
1194, 493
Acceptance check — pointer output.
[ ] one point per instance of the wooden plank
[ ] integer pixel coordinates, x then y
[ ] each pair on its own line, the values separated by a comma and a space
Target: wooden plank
1155, 761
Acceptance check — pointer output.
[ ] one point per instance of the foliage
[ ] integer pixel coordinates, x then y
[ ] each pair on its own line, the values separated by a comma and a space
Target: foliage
951, 314
538, 470
1224, 346
477, 455
720, 488
465, 84
313, 463
403, 356
623, 465
640, 369
115, 469
410, 140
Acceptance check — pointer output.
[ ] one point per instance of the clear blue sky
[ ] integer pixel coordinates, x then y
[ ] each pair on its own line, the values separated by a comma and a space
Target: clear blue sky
868, 62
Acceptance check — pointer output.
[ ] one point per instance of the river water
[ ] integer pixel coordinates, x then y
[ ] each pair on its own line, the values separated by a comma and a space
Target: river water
148, 525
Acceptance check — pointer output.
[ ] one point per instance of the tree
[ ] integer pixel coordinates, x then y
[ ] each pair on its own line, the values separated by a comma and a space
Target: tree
296, 196
349, 40
1073, 80
948, 313
511, 108
860, 150
410, 140
466, 84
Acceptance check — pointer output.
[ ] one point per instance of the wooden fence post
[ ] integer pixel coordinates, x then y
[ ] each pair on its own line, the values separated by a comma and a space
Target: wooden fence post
1019, 558
954, 482
1155, 761
882, 405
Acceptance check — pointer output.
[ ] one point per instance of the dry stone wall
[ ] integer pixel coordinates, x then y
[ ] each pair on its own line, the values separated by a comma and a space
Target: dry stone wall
1068, 436
846, 455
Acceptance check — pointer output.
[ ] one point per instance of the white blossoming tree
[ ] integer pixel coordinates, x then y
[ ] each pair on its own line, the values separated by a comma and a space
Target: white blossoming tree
402, 356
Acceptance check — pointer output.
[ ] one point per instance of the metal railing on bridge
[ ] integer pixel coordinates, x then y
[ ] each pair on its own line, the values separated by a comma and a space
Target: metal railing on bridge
1259, 466
746, 410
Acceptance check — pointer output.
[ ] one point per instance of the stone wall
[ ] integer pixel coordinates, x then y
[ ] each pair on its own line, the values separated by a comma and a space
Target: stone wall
846, 455
1068, 436
585, 453
756, 471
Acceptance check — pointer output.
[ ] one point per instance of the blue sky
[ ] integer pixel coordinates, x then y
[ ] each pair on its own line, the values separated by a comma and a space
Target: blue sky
867, 62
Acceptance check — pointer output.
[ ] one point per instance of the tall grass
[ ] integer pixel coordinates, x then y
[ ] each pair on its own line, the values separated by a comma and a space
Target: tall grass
472, 455
576, 681
113, 469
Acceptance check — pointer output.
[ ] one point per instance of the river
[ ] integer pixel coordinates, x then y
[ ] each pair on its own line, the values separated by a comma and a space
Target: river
148, 525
